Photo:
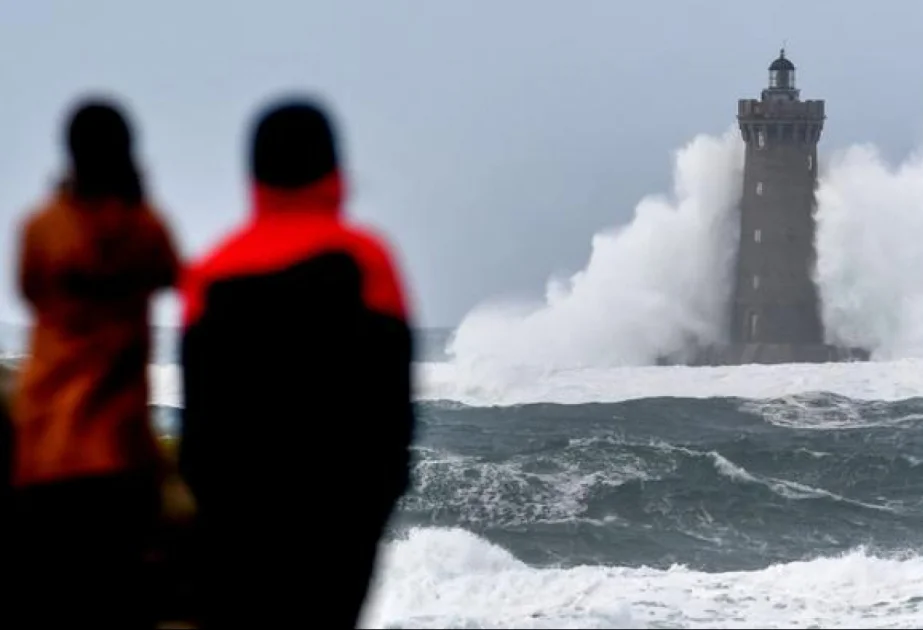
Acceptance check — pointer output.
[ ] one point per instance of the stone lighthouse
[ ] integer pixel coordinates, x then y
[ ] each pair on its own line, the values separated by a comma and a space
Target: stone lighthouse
775, 309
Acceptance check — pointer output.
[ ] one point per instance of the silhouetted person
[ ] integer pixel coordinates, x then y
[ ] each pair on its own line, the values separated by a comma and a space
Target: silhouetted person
86, 464
298, 410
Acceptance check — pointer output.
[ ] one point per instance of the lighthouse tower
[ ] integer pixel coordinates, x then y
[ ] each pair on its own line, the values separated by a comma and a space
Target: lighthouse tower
775, 309
775, 299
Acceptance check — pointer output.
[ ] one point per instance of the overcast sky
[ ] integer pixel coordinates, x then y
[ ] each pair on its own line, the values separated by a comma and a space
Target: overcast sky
490, 139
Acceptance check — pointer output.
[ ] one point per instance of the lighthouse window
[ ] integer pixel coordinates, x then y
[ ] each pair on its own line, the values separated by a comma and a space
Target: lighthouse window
761, 139
756, 282
810, 162
757, 235
759, 188
754, 320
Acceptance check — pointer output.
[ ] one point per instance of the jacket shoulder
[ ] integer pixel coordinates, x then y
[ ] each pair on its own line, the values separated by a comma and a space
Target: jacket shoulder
217, 257
198, 273
41, 215
271, 249
383, 283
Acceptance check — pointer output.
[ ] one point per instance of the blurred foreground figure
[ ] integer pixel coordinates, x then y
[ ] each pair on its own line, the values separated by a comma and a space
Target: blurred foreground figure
298, 412
86, 463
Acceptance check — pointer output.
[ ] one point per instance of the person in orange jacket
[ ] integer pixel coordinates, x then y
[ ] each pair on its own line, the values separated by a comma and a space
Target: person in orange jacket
298, 415
86, 471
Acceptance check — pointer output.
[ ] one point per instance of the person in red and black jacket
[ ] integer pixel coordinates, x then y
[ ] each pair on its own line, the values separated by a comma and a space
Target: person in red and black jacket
298, 418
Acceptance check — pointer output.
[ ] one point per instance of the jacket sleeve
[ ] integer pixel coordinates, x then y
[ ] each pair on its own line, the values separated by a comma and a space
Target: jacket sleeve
192, 448
394, 346
397, 415
29, 271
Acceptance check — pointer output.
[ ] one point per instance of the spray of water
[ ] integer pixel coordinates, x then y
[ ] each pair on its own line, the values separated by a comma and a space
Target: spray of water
659, 286
655, 287
870, 255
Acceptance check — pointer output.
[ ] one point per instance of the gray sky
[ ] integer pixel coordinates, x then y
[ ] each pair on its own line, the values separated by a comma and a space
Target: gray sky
489, 139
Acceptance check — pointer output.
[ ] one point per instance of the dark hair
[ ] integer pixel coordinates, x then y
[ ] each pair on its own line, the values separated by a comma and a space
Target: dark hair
99, 143
293, 144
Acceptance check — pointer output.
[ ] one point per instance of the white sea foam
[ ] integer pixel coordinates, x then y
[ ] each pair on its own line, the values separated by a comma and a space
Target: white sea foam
893, 380
886, 381
450, 578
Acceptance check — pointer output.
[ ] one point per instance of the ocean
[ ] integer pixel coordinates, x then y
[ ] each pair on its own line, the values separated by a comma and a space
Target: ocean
660, 497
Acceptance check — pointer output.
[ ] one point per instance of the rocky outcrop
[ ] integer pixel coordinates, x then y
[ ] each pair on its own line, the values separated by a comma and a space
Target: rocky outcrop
777, 353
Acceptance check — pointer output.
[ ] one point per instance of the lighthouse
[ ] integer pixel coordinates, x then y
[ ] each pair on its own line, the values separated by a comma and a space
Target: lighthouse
775, 307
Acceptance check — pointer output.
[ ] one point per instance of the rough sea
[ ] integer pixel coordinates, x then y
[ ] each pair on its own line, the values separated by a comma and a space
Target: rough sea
773, 496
